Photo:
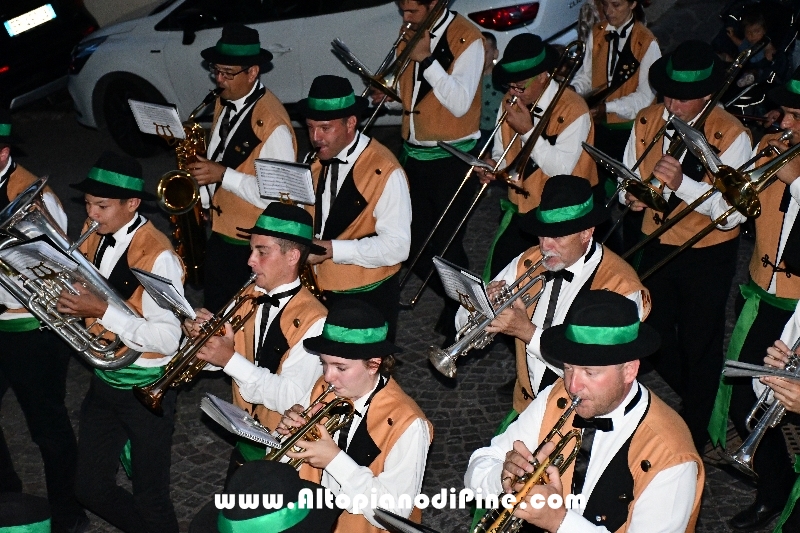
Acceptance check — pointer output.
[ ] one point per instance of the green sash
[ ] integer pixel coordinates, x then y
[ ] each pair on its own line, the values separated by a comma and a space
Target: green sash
250, 450
130, 376
509, 209
430, 153
365, 288
18, 325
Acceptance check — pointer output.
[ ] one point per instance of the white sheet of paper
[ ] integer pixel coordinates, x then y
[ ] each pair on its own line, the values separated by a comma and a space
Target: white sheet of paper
164, 293
461, 285
157, 119
236, 420
285, 180
29, 257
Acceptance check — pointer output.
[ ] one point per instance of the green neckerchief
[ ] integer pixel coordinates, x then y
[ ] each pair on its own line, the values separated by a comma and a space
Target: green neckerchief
430, 153
365, 288
130, 376
753, 295
509, 209
38, 527
250, 450
17, 325
790, 503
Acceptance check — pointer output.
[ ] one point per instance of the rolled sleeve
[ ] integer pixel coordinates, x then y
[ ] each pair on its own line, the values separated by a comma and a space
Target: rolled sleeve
456, 91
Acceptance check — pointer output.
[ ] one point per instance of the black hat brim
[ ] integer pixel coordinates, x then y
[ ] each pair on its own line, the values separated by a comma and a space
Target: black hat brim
356, 109
558, 350
346, 350
212, 55
500, 76
784, 97
666, 86
315, 248
533, 226
106, 190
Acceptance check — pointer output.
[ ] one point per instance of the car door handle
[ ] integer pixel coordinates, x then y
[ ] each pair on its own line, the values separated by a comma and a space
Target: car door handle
278, 49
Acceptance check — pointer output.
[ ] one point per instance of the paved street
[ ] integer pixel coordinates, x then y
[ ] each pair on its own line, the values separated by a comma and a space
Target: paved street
464, 412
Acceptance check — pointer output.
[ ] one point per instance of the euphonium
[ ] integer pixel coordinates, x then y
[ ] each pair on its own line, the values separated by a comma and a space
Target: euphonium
179, 195
339, 412
473, 334
185, 365
500, 519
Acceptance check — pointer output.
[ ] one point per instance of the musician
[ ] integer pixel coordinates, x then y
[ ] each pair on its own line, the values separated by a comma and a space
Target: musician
764, 304
34, 363
688, 295
564, 223
384, 450
441, 101
111, 417
249, 123
362, 215
525, 69
636, 453
271, 370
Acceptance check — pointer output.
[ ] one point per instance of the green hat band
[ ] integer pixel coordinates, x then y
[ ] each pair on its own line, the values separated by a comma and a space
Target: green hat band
793, 86
298, 229
563, 214
38, 527
688, 76
282, 520
5, 129
238, 49
331, 104
525, 64
118, 180
601, 335
355, 336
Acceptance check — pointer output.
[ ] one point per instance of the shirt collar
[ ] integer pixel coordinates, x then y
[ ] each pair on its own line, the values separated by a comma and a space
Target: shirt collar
129, 228
361, 404
239, 104
436, 31
625, 26
5, 168
578, 265
618, 414
282, 288
354, 149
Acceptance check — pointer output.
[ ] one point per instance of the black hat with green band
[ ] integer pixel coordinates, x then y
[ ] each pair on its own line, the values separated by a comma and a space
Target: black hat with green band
5, 127
24, 513
115, 176
692, 71
525, 56
286, 221
567, 206
331, 97
788, 94
238, 46
602, 328
353, 330
257, 479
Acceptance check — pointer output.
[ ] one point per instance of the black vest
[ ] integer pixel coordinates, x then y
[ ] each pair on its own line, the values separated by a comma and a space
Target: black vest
4, 179
362, 448
347, 206
274, 344
241, 142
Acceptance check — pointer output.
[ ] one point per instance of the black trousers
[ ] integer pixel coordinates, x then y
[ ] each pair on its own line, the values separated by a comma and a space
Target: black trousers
771, 460
688, 296
109, 418
385, 297
9, 480
35, 365
226, 271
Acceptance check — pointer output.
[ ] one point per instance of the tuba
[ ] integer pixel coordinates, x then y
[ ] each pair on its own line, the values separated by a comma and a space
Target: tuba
179, 195
38, 288
184, 365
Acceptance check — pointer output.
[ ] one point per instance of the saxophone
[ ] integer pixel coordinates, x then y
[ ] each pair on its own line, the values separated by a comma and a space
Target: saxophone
179, 195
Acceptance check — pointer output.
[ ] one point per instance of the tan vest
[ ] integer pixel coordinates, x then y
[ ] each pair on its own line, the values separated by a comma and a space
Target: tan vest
371, 171
612, 274
432, 121
569, 108
299, 314
145, 247
390, 413
662, 439
639, 40
268, 114
721, 129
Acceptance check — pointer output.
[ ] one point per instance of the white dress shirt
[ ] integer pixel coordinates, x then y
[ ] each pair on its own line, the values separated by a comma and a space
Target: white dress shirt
454, 91
299, 372
553, 159
735, 156
663, 507
159, 330
392, 217
402, 470
277, 146
582, 269
626, 106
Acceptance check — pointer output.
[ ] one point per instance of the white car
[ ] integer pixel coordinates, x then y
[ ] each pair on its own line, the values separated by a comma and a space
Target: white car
156, 57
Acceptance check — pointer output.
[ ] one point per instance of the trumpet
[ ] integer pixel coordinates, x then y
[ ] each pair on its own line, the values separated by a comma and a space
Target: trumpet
185, 365
339, 412
500, 519
473, 335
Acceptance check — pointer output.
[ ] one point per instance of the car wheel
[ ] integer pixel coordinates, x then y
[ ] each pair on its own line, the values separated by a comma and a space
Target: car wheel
119, 120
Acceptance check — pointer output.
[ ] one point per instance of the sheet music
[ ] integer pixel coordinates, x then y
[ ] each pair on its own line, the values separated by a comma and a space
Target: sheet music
464, 156
698, 145
619, 170
463, 286
31, 257
285, 180
157, 119
164, 293
236, 420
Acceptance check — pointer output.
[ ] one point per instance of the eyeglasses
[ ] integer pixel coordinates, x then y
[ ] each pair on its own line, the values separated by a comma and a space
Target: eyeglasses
215, 71
517, 88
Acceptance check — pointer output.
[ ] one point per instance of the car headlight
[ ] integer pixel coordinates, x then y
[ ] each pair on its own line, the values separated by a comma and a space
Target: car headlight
82, 51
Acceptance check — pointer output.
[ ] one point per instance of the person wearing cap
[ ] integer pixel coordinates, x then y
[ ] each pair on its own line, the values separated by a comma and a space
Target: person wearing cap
525, 69
690, 291
362, 215
249, 123
764, 305
34, 362
271, 369
636, 467
573, 263
384, 450
112, 420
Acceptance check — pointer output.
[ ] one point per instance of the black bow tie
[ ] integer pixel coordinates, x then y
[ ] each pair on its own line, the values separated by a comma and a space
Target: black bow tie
109, 240
601, 424
266, 299
326, 162
564, 274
